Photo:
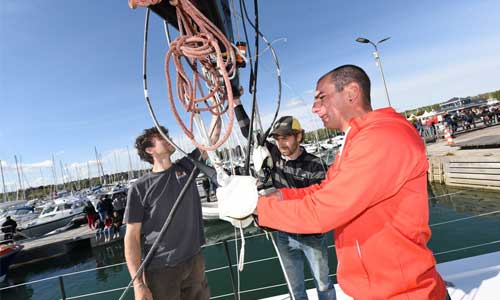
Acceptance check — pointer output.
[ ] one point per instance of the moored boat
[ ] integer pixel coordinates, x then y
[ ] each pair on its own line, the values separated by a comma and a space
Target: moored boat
7, 254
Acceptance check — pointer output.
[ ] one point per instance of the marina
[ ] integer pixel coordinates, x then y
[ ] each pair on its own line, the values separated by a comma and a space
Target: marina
173, 123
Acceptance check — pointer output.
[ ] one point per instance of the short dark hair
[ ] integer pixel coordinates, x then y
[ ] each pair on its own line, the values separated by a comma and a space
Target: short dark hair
145, 140
343, 75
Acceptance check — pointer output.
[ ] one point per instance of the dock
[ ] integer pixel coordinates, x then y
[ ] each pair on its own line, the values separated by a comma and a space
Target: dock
60, 244
472, 161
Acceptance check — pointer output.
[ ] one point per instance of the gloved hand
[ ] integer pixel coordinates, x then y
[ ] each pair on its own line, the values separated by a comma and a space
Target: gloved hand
260, 157
238, 197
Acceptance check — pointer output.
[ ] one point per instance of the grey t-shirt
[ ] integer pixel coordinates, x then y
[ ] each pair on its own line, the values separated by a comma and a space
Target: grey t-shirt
150, 200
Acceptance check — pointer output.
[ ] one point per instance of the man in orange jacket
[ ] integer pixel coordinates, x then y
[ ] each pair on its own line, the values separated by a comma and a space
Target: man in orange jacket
374, 196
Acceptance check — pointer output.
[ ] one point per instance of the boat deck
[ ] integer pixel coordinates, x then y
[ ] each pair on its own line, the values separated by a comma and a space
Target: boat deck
476, 277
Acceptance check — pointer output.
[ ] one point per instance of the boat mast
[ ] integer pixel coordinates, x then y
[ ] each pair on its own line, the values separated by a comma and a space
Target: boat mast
62, 174
129, 165
19, 178
42, 181
88, 173
3, 183
116, 167
100, 169
54, 174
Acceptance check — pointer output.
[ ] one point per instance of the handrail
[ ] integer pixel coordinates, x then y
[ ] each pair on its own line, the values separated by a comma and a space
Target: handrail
281, 284
258, 260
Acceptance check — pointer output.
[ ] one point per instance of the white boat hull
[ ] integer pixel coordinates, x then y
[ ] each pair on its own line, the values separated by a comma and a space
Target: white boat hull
476, 277
46, 227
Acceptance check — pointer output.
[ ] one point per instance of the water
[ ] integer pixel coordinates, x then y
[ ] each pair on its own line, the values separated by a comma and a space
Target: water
462, 203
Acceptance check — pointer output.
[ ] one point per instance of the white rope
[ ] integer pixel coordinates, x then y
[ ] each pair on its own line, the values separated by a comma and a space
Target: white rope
241, 261
238, 288
63, 275
466, 248
464, 218
282, 267
446, 195
96, 293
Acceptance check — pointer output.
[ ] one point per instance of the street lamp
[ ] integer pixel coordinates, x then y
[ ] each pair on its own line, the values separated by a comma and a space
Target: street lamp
377, 60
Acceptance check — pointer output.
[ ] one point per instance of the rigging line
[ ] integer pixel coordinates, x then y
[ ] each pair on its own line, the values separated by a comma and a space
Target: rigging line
249, 50
445, 195
253, 86
465, 218
95, 293
288, 283
278, 69
284, 39
466, 248
167, 33
64, 275
235, 16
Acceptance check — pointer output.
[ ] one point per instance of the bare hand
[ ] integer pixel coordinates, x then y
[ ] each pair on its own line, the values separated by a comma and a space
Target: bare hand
142, 292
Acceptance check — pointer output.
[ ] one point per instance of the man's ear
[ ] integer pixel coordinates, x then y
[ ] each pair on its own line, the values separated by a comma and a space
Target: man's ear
300, 136
149, 150
353, 91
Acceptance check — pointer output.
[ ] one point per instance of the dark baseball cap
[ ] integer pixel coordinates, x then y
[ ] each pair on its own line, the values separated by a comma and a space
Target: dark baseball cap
286, 125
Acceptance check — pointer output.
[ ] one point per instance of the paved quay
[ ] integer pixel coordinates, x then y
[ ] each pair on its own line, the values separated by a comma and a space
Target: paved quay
473, 162
480, 136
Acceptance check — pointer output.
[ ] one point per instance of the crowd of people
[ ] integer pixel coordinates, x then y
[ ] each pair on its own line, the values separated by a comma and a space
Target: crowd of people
460, 120
106, 217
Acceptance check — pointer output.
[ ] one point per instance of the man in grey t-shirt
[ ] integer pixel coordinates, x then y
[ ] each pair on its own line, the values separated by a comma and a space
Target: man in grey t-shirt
177, 269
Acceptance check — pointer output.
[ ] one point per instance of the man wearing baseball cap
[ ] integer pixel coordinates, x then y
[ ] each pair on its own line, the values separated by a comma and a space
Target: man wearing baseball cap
293, 167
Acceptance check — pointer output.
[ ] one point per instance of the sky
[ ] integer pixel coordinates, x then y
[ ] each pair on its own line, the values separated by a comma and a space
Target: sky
71, 72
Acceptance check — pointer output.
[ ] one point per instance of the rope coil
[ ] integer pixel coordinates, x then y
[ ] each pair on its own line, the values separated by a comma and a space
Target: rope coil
200, 45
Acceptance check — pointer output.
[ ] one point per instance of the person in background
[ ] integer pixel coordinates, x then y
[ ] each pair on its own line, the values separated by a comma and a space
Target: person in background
9, 228
117, 223
374, 196
90, 213
119, 202
294, 167
99, 229
108, 227
102, 210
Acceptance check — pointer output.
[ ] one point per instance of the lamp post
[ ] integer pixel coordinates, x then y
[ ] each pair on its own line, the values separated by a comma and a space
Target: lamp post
377, 60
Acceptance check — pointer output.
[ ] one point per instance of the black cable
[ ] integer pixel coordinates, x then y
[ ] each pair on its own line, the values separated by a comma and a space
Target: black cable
254, 85
278, 70
249, 50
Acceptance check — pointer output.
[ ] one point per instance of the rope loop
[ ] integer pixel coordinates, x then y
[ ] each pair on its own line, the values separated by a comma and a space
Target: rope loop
211, 59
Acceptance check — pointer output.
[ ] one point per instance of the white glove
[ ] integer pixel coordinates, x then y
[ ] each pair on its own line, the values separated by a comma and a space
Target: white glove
259, 156
238, 198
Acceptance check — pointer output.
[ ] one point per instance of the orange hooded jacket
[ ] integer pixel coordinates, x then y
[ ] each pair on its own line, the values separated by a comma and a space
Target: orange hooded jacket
375, 197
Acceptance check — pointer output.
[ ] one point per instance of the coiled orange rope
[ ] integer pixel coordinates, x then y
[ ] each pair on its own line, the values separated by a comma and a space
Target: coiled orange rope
198, 44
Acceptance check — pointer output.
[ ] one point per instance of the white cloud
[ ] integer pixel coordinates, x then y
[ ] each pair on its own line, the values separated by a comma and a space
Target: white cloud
295, 102
37, 165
